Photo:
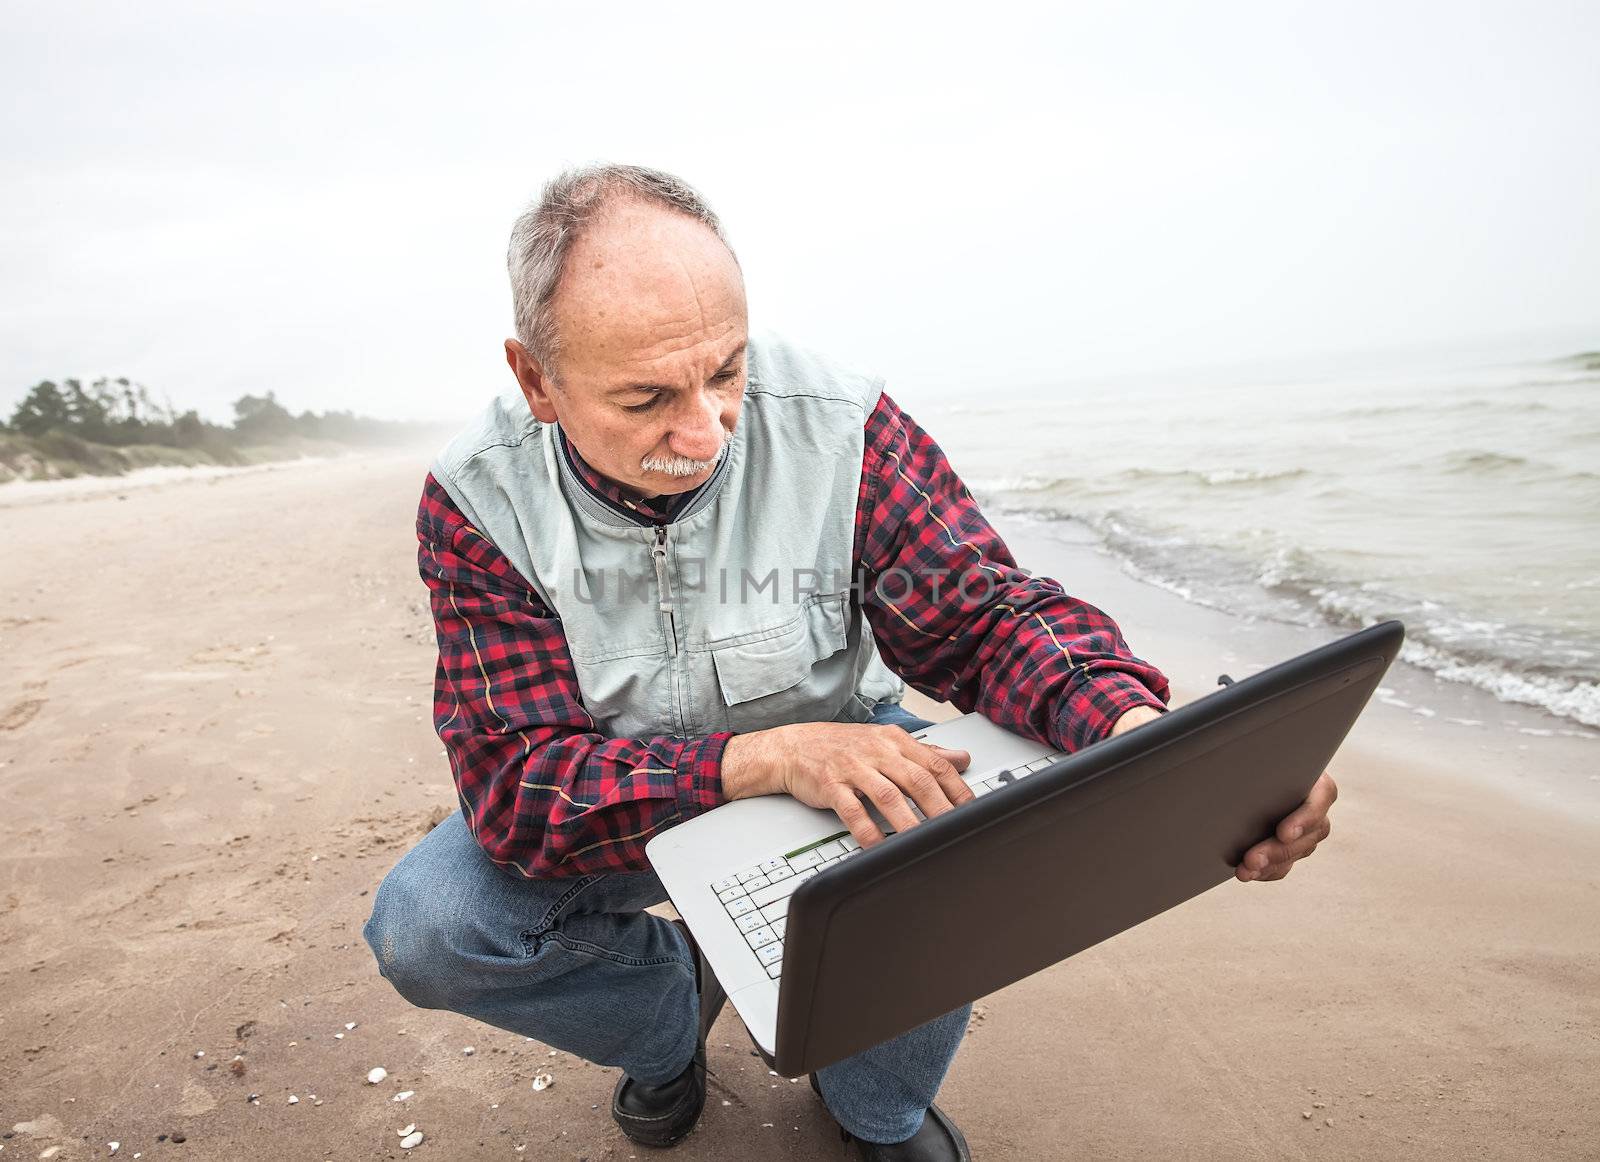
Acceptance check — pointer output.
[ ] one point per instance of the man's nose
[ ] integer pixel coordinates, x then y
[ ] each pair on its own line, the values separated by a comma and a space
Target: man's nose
698, 436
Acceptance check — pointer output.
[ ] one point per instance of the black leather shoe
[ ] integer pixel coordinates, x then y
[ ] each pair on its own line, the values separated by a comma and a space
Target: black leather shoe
938, 1140
662, 1115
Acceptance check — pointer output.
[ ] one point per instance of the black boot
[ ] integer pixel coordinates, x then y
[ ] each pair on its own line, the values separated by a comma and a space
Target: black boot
663, 1115
938, 1140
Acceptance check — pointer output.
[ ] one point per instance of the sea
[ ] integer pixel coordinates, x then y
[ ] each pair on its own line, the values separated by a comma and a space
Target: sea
1461, 497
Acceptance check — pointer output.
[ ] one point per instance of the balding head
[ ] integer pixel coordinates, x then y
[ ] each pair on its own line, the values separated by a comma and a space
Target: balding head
569, 205
635, 310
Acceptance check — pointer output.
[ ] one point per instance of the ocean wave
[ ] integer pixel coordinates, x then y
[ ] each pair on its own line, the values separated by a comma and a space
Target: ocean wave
1210, 478
1470, 460
1480, 462
1017, 483
1586, 360
1216, 476
1519, 664
1434, 408
1566, 698
1462, 649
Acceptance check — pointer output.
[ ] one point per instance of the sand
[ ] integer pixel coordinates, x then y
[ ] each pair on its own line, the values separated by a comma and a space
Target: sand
214, 741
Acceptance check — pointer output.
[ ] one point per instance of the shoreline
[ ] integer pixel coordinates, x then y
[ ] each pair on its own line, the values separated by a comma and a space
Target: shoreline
1415, 710
1571, 699
159, 464
215, 739
19, 492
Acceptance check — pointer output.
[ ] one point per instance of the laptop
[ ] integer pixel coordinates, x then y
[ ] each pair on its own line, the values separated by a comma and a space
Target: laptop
825, 949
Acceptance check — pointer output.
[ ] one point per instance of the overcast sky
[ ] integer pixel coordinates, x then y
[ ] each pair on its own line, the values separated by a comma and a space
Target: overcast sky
225, 198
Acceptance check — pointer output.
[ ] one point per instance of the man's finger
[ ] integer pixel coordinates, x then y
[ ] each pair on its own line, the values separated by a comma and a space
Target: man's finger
923, 785
942, 763
1262, 860
856, 817
959, 759
911, 748
956, 789
1270, 852
889, 799
1323, 793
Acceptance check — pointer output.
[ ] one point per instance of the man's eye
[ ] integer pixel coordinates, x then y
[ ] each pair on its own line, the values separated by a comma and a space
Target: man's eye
642, 407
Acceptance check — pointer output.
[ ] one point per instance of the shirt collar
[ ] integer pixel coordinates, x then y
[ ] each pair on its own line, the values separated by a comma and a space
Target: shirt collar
652, 510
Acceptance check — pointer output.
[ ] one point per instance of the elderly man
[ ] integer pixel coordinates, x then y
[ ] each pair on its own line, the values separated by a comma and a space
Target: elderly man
607, 669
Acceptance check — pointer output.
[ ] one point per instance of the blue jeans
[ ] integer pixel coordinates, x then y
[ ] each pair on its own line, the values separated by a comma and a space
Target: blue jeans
577, 963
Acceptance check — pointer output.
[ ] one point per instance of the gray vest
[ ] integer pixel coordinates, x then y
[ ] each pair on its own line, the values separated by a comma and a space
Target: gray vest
738, 615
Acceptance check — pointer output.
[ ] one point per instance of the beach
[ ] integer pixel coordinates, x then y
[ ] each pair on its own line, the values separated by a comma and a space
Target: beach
215, 739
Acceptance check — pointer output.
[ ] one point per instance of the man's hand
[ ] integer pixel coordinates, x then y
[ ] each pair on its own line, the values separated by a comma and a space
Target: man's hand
1297, 835
833, 765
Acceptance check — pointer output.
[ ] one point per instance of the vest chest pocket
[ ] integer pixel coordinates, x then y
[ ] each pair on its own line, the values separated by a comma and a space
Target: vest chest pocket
784, 675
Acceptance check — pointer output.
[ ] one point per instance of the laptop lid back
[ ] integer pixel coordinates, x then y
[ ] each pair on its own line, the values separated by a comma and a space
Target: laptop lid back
979, 898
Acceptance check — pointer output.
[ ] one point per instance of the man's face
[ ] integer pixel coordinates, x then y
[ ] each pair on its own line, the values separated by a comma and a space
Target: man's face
650, 375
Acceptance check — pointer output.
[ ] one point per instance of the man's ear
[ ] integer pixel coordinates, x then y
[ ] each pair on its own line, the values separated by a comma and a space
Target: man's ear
531, 378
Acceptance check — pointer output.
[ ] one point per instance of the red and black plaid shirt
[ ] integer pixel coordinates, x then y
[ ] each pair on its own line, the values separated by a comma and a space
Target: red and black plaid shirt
547, 795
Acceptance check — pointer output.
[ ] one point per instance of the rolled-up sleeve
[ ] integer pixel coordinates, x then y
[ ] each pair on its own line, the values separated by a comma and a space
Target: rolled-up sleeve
958, 620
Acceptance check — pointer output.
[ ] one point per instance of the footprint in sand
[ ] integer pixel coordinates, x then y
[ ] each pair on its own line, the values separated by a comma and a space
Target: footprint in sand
245, 657
20, 714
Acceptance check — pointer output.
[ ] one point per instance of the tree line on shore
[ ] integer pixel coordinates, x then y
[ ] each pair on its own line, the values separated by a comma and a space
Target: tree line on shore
119, 413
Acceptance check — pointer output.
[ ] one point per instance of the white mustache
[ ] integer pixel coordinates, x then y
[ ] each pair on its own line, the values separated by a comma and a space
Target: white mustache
682, 465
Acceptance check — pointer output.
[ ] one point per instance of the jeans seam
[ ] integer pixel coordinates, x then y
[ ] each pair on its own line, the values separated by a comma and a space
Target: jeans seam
530, 936
572, 945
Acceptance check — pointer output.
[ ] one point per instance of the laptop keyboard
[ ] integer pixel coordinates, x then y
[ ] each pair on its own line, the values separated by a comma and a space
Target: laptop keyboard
757, 898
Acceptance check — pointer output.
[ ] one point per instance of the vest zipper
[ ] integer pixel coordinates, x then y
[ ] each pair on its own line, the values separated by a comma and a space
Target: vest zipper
664, 588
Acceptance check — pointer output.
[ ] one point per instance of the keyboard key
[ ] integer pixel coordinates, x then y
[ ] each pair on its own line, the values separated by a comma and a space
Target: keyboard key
833, 849
774, 969
740, 907
806, 859
831, 862
760, 937
764, 896
724, 885
758, 882
775, 911
773, 865
771, 953
781, 873
779, 927
731, 894
748, 875
750, 921
777, 891
849, 843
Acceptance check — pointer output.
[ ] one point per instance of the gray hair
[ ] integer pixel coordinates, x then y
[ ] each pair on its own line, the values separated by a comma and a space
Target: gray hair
547, 229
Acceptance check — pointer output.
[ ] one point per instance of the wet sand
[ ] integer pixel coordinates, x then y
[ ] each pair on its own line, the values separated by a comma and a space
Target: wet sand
214, 741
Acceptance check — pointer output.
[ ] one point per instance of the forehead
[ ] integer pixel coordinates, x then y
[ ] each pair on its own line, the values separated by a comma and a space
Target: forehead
645, 286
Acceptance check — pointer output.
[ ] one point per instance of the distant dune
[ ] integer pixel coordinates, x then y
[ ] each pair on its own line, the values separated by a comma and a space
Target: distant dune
56, 456
59, 456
